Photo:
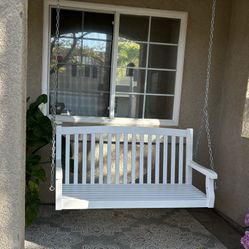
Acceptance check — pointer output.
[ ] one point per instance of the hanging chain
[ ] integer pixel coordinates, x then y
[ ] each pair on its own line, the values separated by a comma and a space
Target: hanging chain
54, 89
205, 115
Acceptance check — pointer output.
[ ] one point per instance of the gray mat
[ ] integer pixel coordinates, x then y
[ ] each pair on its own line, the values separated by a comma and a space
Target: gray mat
118, 229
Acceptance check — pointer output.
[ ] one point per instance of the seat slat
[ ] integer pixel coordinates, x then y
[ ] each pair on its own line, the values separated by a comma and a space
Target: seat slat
133, 195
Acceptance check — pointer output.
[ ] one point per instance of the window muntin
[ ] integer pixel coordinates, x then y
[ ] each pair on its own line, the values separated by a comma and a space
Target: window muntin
143, 75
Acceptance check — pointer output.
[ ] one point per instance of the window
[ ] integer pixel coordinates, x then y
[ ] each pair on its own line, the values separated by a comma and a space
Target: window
116, 64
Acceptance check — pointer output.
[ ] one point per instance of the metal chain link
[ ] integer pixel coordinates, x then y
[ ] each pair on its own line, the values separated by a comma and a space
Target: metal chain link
205, 115
54, 88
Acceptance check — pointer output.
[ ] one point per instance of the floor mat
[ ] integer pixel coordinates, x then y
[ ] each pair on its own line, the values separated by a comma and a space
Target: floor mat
118, 229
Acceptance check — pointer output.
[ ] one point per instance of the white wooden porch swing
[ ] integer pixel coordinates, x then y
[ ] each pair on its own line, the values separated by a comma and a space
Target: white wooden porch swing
167, 184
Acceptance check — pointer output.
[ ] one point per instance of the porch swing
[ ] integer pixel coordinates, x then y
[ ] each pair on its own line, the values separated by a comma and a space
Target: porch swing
132, 180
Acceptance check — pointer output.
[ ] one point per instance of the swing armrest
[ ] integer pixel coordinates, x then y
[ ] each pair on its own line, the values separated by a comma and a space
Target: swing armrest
207, 172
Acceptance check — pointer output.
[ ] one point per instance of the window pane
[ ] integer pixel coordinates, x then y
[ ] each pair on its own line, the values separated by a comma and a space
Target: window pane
162, 82
69, 50
129, 106
134, 27
83, 103
131, 54
96, 52
130, 80
84, 63
75, 77
81, 93
162, 56
165, 30
159, 107
70, 23
98, 25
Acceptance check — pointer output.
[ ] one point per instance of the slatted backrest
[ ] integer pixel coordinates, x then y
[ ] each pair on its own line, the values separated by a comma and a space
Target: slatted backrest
124, 155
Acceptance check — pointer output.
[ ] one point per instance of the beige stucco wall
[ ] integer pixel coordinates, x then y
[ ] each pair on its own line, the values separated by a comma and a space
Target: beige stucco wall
13, 56
232, 151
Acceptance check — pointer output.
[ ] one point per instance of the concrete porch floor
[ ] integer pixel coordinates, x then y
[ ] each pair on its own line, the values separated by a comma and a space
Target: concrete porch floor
218, 226
131, 228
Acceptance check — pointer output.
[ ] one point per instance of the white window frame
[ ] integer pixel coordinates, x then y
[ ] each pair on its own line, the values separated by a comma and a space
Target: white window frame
116, 10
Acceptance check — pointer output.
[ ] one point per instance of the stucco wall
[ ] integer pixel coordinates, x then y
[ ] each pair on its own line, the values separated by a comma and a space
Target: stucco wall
232, 152
13, 20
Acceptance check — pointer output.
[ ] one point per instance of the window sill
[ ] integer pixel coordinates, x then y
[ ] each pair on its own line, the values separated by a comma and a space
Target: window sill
116, 121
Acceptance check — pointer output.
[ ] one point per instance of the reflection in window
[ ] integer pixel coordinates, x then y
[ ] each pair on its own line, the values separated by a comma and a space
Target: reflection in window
144, 73
95, 72
84, 61
159, 107
129, 105
165, 30
147, 57
131, 52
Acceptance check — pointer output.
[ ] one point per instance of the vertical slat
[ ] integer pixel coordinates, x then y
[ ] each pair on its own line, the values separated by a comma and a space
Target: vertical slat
157, 159
149, 159
101, 141
133, 158
76, 159
92, 178
141, 162
67, 168
180, 172
109, 159
84, 158
125, 166
189, 155
117, 158
165, 159
173, 159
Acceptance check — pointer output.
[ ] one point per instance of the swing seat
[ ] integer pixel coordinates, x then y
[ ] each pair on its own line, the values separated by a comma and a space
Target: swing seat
128, 167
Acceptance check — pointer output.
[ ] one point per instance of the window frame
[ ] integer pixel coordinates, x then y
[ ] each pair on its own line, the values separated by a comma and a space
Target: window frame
116, 10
